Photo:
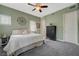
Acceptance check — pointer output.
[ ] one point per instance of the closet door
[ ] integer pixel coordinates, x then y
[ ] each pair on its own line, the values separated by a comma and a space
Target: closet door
70, 27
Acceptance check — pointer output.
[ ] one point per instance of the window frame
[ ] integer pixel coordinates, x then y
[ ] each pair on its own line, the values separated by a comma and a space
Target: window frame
5, 19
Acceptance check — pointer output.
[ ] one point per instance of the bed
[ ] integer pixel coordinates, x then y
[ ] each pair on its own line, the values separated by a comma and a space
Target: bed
23, 42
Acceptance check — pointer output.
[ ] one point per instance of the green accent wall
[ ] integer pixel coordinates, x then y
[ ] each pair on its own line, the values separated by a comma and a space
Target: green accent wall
57, 20
14, 24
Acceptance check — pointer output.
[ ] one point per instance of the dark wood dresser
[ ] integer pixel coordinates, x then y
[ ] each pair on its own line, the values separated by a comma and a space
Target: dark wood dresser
51, 32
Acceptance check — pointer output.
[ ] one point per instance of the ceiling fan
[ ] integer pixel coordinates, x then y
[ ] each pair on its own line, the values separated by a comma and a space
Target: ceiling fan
38, 6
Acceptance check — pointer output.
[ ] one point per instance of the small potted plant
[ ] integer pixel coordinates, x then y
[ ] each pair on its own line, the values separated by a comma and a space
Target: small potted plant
3, 35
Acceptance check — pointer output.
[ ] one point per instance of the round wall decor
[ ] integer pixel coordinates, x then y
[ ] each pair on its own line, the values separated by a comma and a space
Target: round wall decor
21, 20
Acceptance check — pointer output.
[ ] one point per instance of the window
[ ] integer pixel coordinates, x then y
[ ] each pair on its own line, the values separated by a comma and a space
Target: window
5, 20
33, 26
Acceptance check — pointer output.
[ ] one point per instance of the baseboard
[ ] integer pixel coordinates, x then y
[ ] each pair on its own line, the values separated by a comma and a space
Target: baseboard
60, 40
65, 41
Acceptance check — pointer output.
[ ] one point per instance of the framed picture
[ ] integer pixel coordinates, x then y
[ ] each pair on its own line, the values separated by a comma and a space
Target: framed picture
21, 20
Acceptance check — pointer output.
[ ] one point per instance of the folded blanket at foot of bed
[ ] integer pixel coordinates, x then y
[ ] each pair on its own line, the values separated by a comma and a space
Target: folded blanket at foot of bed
27, 48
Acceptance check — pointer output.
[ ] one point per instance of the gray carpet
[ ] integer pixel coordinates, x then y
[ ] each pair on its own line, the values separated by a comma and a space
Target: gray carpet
2, 53
51, 48
54, 48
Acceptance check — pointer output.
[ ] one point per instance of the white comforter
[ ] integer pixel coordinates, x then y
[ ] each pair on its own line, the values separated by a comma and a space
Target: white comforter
19, 41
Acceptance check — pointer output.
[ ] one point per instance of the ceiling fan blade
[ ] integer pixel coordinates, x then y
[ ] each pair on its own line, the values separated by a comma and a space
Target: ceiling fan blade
34, 9
31, 4
45, 6
40, 10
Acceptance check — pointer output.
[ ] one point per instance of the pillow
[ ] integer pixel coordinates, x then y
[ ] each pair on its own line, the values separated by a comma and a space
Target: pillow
19, 32
16, 32
24, 32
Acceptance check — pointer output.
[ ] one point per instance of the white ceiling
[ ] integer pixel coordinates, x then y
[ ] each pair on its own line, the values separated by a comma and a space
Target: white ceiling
52, 7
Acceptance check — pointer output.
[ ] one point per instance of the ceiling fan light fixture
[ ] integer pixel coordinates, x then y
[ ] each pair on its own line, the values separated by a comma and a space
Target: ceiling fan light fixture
38, 8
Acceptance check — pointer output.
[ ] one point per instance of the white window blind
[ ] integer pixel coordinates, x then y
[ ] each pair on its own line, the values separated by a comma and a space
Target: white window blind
5, 20
33, 26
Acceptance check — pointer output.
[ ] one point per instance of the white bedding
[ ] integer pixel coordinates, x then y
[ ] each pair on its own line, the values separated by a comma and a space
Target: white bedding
19, 41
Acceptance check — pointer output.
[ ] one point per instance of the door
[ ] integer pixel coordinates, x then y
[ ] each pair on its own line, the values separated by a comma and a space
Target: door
70, 27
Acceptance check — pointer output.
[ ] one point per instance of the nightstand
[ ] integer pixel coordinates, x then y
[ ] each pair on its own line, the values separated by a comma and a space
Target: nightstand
4, 41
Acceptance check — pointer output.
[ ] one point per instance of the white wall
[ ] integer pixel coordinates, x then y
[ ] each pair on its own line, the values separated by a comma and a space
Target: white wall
43, 28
